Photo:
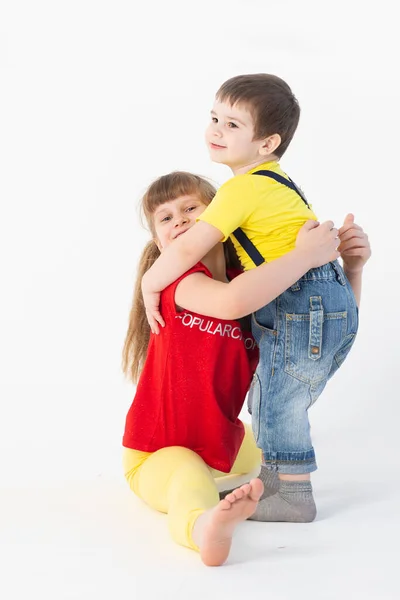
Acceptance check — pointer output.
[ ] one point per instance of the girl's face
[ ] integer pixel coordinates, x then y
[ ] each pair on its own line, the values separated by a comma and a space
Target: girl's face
175, 217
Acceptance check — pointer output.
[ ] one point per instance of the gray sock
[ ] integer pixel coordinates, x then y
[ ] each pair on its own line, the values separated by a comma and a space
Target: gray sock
293, 503
270, 480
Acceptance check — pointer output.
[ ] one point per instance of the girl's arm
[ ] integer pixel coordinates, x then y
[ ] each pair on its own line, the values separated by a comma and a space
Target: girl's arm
355, 280
355, 250
173, 262
253, 289
181, 256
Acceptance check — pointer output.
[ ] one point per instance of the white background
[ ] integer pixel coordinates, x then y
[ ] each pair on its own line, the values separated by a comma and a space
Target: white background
97, 99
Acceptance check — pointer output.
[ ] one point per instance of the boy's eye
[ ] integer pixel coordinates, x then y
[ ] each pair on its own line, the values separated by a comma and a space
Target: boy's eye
190, 208
165, 219
214, 119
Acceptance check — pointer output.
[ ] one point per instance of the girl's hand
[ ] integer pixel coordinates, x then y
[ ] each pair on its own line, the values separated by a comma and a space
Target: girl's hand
354, 248
320, 242
151, 302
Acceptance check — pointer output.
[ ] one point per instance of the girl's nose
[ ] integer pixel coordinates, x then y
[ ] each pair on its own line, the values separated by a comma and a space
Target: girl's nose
181, 220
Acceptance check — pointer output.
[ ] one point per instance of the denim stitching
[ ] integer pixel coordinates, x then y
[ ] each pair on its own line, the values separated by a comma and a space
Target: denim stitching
288, 368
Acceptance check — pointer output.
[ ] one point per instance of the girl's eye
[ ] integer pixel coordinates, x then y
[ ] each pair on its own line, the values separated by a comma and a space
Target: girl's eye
232, 125
214, 119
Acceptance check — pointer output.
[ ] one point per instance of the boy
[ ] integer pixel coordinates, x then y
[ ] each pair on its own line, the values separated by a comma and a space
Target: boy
306, 333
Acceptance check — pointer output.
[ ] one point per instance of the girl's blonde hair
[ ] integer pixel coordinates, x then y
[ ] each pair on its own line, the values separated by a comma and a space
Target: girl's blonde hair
162, 190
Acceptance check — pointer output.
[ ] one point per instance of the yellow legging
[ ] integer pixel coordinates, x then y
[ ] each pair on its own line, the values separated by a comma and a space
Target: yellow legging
178, 482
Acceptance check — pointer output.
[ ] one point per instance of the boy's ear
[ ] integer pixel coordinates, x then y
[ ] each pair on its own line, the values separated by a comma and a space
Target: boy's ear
270, 144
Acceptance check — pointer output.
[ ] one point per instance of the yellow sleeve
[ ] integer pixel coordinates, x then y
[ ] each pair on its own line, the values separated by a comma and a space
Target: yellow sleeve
234, 202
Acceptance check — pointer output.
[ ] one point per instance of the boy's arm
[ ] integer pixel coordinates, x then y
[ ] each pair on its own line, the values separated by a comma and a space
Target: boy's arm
174, 261
244, 294
253, 289
355, 250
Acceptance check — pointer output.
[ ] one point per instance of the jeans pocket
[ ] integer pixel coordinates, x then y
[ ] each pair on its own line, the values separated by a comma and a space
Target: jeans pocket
253, 405
311, 343
258, 329
342, 353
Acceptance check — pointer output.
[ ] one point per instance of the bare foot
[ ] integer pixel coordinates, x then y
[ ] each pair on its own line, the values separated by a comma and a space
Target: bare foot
237, 506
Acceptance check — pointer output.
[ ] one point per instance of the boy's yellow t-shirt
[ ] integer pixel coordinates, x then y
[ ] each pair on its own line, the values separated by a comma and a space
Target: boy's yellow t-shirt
269, 213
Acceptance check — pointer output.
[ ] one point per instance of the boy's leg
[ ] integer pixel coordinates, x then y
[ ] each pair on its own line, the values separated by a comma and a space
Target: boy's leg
287, 451
303, 337
248, 455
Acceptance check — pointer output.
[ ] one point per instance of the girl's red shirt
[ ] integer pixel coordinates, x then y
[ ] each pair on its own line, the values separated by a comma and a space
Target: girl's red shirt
193, 385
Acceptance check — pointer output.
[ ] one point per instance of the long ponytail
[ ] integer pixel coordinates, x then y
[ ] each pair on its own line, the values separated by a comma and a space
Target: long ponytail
138, 334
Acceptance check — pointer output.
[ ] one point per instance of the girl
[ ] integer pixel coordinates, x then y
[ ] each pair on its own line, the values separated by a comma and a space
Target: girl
182, 431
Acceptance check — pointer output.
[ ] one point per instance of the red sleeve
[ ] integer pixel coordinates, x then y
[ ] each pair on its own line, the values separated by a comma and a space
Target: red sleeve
167, 303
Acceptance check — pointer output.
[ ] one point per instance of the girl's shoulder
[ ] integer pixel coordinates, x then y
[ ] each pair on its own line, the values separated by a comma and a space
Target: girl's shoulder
168, 295
197, 268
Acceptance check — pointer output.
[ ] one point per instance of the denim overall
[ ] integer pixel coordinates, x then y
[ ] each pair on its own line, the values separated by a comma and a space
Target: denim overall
304, 335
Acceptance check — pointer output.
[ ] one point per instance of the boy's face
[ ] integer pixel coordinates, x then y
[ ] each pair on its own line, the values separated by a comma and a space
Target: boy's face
230, 135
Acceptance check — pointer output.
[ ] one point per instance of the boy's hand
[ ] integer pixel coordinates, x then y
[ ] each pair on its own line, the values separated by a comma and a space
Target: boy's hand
320, 242
354, 248
151, 302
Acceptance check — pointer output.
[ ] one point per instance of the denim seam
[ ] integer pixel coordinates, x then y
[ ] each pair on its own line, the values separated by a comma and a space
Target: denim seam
264, 330
315, 328
257, 383
276, 339
310, 461
348, 338
270, 382
306, 317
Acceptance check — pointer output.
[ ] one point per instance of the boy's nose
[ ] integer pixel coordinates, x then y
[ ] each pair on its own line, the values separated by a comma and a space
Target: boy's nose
216, 131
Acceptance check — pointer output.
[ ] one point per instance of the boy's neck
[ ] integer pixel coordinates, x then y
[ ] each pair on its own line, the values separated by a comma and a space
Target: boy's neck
242, 169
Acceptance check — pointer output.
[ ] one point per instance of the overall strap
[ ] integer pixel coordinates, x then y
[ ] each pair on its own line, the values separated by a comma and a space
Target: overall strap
240, 235
248, 247
288, 182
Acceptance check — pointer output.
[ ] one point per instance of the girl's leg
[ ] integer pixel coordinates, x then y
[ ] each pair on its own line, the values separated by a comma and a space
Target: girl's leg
175, 481
247, 466
213, 529
249, 456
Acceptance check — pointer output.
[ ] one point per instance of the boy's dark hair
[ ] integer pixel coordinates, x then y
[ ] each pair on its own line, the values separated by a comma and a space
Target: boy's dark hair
270, 101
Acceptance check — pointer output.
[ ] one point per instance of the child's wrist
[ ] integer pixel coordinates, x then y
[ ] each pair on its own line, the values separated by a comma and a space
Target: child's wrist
355, 271
146, 284
306, 257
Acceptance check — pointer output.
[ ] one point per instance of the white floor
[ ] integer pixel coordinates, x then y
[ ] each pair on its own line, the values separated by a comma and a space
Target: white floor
96, 94
92, 539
